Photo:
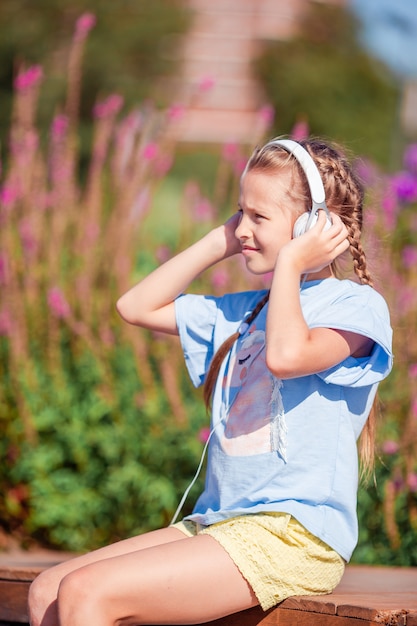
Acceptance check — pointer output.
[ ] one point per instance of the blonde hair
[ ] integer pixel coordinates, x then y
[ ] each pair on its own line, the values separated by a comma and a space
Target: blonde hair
344, 196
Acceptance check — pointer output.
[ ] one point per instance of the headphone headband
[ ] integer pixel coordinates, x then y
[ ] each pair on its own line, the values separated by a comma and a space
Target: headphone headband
311, 171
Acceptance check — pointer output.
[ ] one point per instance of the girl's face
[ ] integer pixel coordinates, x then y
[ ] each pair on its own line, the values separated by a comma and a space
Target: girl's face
268, 212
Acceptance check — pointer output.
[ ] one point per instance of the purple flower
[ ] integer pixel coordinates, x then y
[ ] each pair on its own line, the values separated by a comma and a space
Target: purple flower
57, 303
412, 372
404, 185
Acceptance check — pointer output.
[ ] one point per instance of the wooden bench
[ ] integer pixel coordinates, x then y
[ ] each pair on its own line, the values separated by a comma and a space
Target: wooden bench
366, 596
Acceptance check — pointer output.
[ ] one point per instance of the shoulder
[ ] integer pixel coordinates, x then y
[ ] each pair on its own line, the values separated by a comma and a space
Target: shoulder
346, 305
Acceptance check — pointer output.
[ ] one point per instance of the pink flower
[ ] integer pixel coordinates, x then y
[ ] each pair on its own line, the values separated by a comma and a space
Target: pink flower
389, 206
8, 196
57, 303
390, 447
203, 210
240, 165
267, 114
162, 254
412, 482
163, 164
109, 107
85, 23
219, 278
230, 152
150, 151
27, 236
206, 83
409, 255
29, 78
412, 372
59, 126
176, 112
204, 434
300, 130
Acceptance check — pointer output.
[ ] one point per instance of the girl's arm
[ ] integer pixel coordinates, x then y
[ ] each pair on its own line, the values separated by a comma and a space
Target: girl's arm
292, 348
150, 303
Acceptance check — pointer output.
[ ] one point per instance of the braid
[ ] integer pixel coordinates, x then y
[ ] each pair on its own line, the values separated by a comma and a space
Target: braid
344, 196
223, 350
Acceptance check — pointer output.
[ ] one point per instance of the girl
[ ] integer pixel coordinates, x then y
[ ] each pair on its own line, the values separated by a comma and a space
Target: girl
291, 374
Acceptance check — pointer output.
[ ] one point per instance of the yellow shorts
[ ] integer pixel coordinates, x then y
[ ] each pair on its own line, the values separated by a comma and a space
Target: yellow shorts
275, 554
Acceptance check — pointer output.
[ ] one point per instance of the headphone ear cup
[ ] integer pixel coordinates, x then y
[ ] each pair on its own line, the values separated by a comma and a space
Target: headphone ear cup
300, 225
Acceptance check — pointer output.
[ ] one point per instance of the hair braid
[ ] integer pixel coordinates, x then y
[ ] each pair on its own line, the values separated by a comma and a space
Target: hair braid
226, 346
344, 196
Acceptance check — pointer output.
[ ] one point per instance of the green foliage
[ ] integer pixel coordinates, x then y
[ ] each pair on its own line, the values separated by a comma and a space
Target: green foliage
323, 77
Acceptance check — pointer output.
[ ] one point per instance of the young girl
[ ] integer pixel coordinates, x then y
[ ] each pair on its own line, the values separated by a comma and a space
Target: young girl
291, 390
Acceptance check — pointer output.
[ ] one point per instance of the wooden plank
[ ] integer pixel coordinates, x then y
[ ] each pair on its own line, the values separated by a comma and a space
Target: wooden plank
13, 601
412, 619
288, 617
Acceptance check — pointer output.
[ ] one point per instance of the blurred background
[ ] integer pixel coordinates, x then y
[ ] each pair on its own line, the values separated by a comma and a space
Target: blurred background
124, 128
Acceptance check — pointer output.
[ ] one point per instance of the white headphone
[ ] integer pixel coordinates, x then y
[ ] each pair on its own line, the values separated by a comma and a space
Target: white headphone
315, 183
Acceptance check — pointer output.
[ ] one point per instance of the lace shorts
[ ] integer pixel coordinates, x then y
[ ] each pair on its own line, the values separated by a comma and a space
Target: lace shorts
275, 554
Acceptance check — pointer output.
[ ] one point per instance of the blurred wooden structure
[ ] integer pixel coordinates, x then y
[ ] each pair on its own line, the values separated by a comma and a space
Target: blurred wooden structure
224, 99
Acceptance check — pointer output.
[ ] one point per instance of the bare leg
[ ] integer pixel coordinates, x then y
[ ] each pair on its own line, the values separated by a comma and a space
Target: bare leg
182, 582
43, 591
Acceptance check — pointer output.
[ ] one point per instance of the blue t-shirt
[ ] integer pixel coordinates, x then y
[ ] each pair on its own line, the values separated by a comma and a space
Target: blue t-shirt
286, 445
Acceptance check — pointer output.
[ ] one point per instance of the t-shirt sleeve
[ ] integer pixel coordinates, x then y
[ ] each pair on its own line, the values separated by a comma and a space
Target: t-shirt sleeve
365, 316
196, 318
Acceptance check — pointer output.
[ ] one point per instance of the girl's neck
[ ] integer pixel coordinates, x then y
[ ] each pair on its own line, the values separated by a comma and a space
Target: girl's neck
326, 272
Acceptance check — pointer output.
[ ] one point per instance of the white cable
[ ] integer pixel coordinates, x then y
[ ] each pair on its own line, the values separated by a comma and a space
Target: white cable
191, 485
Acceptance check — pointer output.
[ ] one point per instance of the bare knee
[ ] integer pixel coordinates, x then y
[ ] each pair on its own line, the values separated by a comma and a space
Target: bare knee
81, 598
41, 600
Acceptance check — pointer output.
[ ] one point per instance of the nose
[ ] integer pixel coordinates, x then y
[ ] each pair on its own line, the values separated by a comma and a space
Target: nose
241, 229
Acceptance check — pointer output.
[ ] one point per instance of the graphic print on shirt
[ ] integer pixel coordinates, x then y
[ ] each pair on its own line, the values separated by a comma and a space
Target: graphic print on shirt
255, 418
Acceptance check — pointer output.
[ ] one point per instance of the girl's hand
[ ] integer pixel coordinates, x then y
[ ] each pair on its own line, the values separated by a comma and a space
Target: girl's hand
317, 248
226, 238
